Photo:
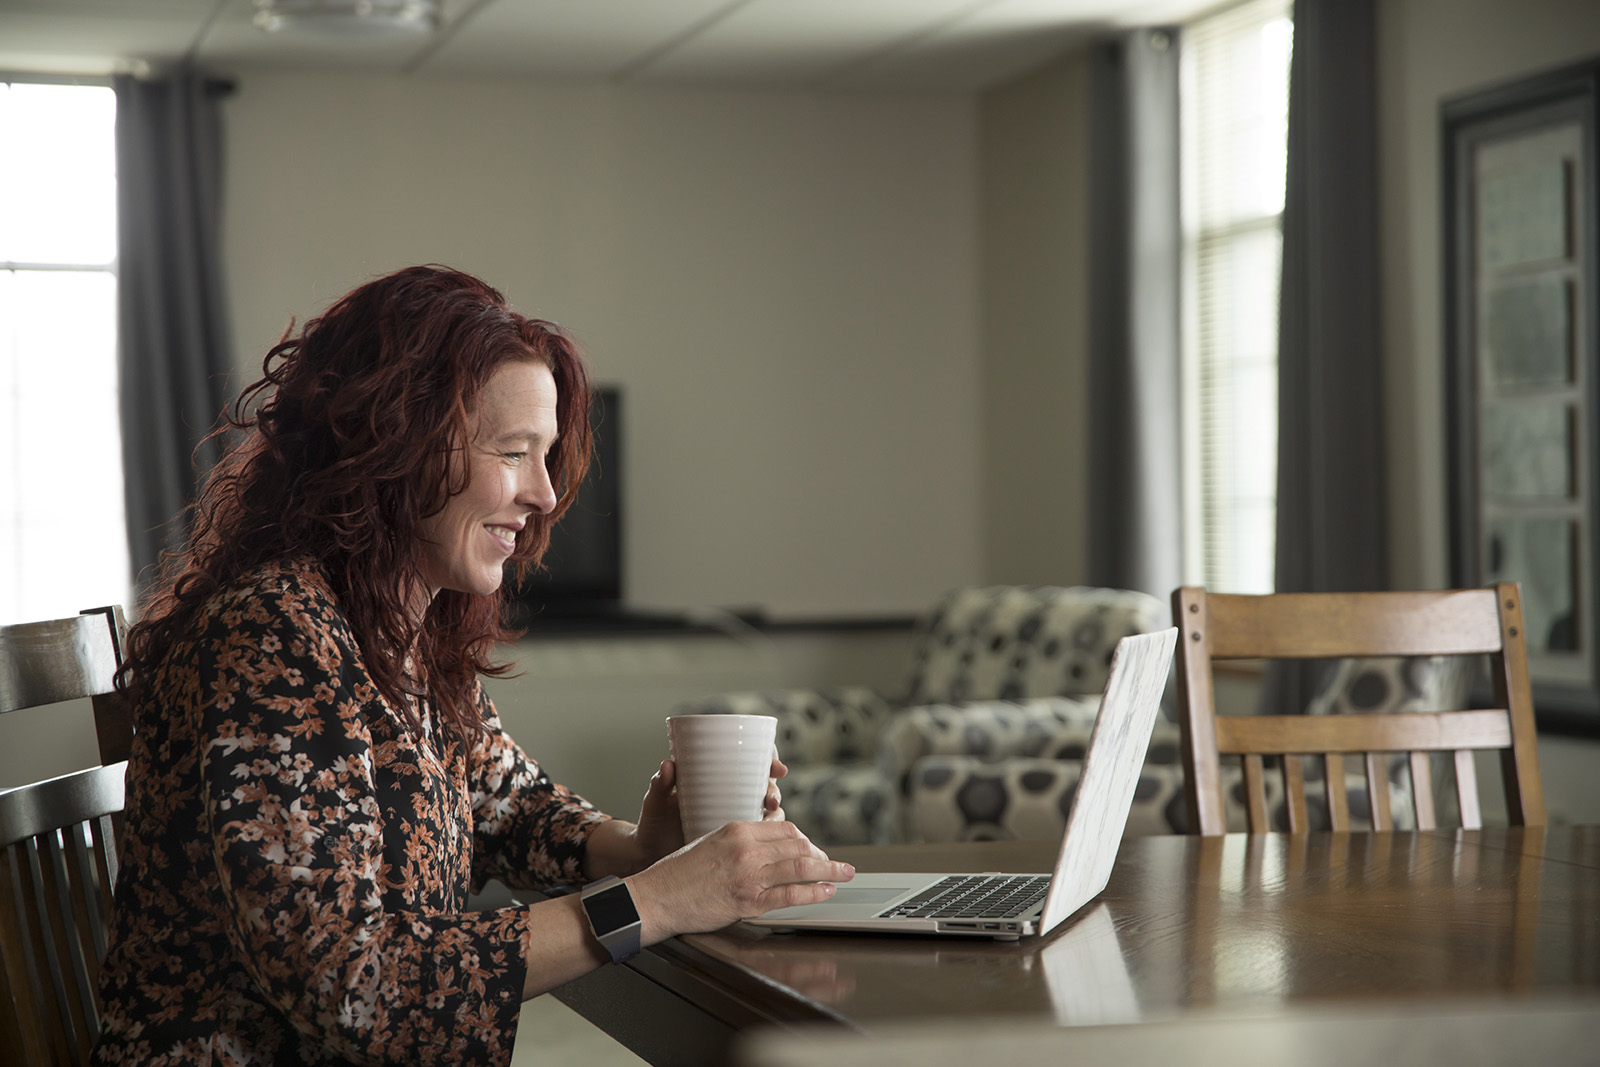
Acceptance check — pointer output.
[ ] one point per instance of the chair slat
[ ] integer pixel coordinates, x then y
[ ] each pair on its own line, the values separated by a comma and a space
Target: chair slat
55, 802
1378, 791
1334, 791
55, 660
1427, 730
51, 991
105, 859
1255, 793
88, 901
1467, 791
1294, 791
1335, 625
88, 926
73, 987
17, 936
1422, 791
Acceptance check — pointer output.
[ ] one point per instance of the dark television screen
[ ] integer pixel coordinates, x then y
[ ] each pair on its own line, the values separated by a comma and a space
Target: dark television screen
583, 567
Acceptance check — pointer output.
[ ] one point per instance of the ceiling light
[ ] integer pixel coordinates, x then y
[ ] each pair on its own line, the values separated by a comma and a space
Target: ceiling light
352, 17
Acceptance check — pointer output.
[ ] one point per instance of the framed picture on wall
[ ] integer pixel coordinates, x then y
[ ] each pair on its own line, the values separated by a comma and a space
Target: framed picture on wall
1523, 367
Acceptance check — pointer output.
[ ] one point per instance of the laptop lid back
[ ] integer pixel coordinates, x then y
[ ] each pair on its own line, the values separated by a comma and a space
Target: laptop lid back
1111, 765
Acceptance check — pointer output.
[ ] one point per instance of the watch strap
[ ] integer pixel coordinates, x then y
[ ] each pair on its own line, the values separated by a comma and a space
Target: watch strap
608, 905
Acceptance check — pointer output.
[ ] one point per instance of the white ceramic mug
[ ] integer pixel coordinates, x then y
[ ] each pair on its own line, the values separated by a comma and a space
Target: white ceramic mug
724, 765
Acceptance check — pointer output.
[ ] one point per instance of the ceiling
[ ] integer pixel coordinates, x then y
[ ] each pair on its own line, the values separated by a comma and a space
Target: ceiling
948, 46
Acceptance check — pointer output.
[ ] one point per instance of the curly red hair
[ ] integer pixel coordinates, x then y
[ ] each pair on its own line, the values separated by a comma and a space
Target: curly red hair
348, 447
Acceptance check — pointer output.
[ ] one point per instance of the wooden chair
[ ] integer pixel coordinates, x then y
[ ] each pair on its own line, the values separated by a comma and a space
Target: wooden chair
1332, 625
58, 858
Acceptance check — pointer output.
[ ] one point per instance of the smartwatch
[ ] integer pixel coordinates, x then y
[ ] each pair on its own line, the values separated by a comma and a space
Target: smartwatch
612, 917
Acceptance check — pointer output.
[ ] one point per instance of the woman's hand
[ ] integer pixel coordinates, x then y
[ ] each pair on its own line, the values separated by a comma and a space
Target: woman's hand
660, 832
622, 848
740, 871
772, 806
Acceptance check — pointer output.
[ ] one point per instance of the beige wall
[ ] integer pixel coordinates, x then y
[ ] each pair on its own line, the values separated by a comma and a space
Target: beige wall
785, 284
1033, 140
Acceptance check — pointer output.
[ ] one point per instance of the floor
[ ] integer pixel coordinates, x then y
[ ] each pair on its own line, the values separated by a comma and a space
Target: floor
551, 1034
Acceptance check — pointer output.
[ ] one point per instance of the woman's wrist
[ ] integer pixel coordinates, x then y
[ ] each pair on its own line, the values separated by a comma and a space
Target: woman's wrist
614, 848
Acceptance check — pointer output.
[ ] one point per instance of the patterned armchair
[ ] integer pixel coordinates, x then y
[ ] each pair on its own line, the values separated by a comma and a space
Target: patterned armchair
1003, 686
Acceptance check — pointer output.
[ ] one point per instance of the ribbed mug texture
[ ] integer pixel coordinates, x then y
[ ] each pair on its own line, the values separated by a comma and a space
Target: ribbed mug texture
724, 764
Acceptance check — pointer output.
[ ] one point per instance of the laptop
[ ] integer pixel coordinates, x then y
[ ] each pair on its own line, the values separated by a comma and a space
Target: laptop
1009, 906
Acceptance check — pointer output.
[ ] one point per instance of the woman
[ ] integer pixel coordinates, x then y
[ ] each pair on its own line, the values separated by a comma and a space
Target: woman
318, 778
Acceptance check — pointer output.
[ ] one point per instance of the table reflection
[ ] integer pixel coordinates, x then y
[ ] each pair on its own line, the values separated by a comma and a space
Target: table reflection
1256, 923
1086, 973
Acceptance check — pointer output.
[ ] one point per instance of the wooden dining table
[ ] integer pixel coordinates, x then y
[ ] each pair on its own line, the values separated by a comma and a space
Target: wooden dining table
1256, 925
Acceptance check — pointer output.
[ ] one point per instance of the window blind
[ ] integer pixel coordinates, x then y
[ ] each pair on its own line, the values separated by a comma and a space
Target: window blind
1235, 86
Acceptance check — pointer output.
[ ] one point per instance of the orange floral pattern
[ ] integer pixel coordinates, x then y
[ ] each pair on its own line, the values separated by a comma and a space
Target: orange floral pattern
296, 863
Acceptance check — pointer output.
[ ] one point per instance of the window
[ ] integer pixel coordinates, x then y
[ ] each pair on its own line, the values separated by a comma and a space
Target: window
63, 544
1235, 112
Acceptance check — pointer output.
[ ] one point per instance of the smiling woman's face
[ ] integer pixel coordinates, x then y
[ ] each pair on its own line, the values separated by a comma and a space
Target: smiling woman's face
465, 546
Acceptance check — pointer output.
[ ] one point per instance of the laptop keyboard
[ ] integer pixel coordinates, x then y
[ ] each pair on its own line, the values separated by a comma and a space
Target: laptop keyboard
975, 896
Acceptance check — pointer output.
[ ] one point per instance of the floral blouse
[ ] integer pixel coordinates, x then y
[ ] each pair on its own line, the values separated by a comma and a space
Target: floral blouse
295, 863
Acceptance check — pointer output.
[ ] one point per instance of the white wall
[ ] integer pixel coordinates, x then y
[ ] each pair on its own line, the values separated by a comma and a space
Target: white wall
785, 285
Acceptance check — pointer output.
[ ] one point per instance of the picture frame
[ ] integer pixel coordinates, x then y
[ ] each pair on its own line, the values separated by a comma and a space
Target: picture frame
1522, 363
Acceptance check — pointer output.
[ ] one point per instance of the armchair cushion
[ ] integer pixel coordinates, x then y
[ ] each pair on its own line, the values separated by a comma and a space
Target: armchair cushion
988, 730
959, 798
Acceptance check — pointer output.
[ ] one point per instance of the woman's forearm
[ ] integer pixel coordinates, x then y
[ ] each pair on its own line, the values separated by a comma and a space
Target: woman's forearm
561, 946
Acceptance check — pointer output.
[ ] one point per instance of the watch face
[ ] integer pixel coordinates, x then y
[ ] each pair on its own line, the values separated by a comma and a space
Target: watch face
611, 909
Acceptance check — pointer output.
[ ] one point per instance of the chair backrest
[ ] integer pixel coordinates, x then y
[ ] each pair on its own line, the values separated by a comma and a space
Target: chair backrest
1009, 642
68, 659
58, 858
1336, 625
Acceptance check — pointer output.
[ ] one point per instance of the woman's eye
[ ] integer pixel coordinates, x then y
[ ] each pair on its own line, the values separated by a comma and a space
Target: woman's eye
516, 457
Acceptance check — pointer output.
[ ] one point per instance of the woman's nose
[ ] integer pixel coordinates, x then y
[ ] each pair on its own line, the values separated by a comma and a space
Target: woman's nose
537, 492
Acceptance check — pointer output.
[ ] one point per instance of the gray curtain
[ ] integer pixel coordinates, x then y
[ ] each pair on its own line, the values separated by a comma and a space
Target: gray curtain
1331, 529
1135, 495
173, 324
